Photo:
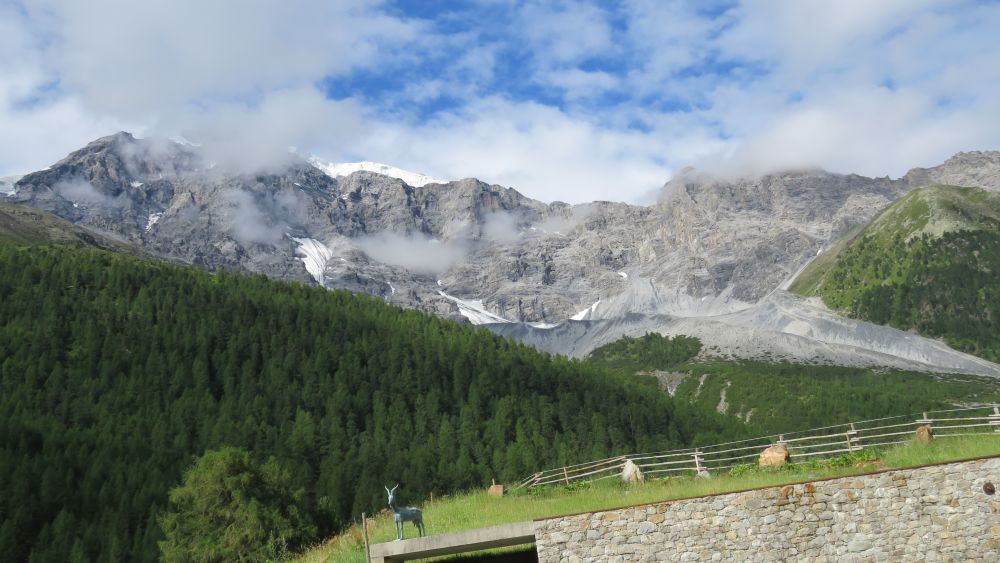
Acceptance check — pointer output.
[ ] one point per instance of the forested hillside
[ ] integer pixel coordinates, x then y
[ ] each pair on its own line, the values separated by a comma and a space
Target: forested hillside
784, 397
930, 262
116, 372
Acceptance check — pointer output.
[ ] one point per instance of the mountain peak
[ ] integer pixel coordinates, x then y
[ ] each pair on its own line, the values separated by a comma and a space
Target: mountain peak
980, 169
335, 170
113, 139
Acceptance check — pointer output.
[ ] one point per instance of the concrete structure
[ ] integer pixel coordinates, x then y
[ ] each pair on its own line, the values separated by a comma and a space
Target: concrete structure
458, 542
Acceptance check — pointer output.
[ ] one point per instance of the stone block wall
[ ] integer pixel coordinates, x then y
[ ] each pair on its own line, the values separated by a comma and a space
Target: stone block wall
933, 513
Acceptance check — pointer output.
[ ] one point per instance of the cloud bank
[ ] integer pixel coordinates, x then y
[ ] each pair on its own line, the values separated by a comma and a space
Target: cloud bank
563, 100
414, 252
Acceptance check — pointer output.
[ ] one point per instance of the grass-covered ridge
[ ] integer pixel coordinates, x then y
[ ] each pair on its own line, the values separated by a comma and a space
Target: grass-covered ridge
477, 509
929, 262
26, 226
117, 372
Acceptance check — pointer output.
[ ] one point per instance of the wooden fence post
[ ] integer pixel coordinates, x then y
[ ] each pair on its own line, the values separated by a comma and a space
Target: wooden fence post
364, 533
699, 469
850, 433
815, 442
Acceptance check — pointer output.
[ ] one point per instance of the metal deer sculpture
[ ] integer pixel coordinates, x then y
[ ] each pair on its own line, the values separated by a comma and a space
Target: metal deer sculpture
402, 515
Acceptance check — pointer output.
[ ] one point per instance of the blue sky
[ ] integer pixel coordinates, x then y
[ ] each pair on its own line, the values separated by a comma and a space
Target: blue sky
561, 100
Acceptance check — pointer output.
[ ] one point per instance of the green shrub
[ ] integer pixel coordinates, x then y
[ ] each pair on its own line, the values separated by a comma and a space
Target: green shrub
231, 508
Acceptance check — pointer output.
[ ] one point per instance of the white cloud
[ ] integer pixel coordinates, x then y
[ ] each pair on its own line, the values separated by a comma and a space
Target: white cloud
539, 150
565, 32
415, 252
603, 101
878, 87
37, 124
246, 222
871, 131
134, 59
581, 83
667, 36
254, 137
240, 76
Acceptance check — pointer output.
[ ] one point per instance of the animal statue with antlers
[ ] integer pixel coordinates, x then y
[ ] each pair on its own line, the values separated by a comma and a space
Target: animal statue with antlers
402, 515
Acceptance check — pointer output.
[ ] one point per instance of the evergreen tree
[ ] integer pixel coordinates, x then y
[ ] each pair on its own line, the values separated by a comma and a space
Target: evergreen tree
231, 508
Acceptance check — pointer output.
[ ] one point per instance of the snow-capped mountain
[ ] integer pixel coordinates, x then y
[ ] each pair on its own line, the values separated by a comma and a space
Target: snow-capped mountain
339, 170
572, 275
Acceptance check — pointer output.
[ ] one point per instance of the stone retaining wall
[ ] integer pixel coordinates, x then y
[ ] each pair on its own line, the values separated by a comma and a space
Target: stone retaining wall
933, 513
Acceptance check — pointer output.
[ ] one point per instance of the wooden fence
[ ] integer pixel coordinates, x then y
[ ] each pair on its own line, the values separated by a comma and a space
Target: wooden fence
803, 446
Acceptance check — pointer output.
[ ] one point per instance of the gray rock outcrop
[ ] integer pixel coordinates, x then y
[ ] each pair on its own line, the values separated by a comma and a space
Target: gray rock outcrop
474, 251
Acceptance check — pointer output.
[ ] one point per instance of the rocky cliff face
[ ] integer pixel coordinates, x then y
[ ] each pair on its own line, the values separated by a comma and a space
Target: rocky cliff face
978, 169
469, 249
707, 247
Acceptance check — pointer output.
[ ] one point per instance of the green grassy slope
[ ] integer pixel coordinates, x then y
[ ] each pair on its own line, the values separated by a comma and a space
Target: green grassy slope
477, 509
115, 372
26, 226
930, 262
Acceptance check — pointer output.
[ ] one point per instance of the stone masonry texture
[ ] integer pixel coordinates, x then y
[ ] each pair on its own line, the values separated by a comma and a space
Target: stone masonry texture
934, 513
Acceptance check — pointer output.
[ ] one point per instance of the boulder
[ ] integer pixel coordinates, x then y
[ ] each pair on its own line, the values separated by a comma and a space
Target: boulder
495, 490
774, 456
924, 434
631, 473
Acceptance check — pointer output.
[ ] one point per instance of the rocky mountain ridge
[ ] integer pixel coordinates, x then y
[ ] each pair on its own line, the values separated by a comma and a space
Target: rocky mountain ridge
467, 249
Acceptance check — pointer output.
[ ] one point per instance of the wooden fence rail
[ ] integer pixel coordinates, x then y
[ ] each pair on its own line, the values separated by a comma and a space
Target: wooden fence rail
803, 446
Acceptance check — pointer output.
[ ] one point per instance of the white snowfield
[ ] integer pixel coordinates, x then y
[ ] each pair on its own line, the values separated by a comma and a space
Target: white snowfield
474, 310
335, 170
7, 184
315, 255
153, 218
588, 313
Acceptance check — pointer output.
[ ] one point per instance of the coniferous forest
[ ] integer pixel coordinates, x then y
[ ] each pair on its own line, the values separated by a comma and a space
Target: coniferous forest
944, 287
116, 373
930, 263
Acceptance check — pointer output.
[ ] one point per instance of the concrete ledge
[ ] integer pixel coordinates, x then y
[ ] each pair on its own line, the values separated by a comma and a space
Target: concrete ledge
456, 542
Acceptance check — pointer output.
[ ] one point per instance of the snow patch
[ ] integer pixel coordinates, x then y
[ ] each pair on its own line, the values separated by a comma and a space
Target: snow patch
153, 218
7, 184
544, 326
314, 255
623, 275
474, 310
391, 288
180, 140
135, 184
586, 314
335, 170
